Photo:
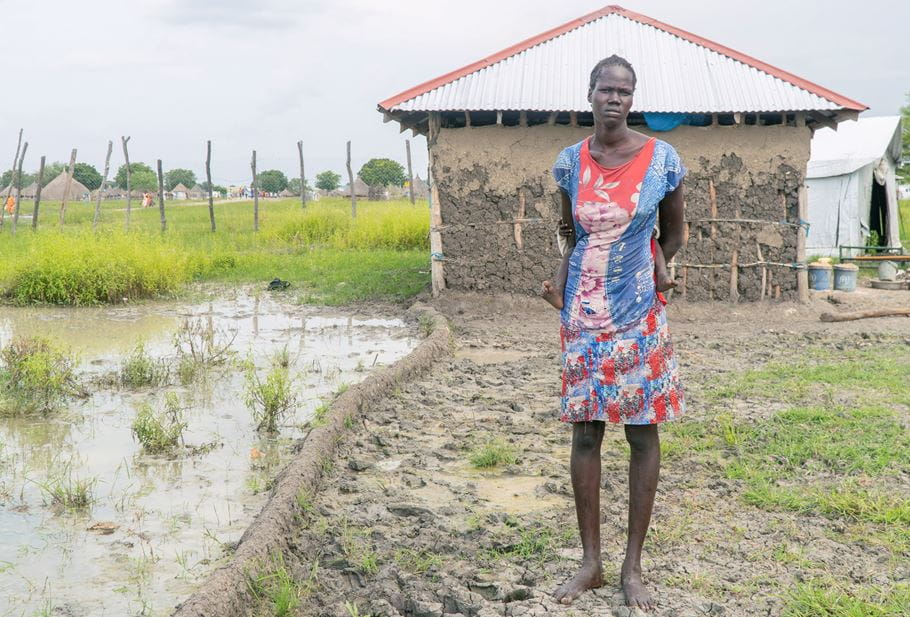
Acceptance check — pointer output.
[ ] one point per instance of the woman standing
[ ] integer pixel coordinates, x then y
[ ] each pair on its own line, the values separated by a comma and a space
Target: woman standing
618, 362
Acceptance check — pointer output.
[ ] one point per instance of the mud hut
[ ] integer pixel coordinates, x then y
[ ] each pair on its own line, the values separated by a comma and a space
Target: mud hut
54, 189
852, 185
742, 127
30, 190
179, 192
197, 192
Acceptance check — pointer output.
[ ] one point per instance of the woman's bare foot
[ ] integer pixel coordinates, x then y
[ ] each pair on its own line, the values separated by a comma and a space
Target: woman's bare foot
551, 294
634, 590
589, 577
664, 282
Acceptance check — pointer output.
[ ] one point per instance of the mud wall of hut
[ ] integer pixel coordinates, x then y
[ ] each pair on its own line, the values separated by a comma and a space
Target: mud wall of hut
499, 206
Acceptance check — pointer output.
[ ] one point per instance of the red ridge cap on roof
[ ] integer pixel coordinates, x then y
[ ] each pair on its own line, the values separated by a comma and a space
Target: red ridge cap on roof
805, 84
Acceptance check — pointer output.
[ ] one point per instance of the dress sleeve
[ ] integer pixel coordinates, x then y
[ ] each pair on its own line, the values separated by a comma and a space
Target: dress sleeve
674, 168
562, 170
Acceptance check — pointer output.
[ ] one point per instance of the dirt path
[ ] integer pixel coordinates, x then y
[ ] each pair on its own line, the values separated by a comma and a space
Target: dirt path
404, 525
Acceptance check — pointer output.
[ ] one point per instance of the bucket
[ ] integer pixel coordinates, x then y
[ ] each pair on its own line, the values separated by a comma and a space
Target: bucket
845, 277
820, 275
887, 270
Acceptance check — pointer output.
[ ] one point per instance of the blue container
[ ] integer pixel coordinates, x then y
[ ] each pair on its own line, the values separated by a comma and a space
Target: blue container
820, 276
845, 277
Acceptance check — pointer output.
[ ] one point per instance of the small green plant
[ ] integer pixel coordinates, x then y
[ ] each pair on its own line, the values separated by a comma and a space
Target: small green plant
426, 324
279, 587
358, 549
320, 415
269, 399
140, 369
35, 376
160, 432
64, 491
418, 562
492, 454
199, 347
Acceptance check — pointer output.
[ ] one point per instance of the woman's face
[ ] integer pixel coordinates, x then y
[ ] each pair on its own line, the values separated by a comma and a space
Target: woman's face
611, 98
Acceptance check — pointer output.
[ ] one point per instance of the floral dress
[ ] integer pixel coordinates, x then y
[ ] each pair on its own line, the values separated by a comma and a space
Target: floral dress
618, 360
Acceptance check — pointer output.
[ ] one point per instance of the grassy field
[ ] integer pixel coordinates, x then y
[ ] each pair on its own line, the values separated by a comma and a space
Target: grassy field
329, 257
904, 205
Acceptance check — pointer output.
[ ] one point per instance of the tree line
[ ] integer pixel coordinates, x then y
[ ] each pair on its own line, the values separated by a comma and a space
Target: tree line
375, 172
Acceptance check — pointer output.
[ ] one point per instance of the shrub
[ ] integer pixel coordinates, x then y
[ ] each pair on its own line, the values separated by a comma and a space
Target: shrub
140, 369
272, 398
35, 376
493, 454
160, 432
200, 347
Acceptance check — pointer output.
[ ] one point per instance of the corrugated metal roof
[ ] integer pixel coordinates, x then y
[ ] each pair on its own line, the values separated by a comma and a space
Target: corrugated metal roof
677, 72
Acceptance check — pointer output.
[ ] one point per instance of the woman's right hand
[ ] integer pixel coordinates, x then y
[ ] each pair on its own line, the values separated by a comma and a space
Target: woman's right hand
565, 230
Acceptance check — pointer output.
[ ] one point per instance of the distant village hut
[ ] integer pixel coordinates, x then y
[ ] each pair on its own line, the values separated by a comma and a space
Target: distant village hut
180, 192
54, 189
852, 185
30, 190
197, 192
741, 126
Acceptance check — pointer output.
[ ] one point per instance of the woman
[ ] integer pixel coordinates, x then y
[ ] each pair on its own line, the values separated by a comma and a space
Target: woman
618, 362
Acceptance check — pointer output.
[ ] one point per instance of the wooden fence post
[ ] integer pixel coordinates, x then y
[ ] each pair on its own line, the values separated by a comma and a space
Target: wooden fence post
161, 197
9, 190
208, 177
802, 274
351, 181
407, 145
66, 185
19, 185
107, 168
38, 194
129, 186
302, 176
255, 188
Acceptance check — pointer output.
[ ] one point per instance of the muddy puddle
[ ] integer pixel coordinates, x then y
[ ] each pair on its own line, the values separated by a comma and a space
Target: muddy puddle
158, 525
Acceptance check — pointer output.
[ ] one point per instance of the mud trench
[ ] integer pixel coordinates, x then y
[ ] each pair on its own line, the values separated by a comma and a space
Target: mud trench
404, 525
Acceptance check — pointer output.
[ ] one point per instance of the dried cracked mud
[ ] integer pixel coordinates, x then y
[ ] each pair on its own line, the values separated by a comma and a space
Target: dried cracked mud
404, 525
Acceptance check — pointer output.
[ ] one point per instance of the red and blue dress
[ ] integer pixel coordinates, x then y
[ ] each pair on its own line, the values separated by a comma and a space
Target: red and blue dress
618, 360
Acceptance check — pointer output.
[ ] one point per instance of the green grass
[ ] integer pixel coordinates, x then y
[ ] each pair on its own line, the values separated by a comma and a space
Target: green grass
36, 376
272, 398
328, 257
139, 369
830, 599
904, 212
492, 454
159, 432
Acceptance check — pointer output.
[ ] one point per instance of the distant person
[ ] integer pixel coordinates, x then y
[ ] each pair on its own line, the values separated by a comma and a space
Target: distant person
618, 363
10, 204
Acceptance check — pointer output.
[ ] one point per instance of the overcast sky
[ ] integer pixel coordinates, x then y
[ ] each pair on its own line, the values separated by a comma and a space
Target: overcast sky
264, 73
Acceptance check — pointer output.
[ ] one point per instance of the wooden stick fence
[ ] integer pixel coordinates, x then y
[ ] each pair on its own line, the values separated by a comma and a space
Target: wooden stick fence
19, 185
101, 189
302, 175
9, 189
161, 198
208, 178
129, 186
351, 181
66, 185
38, 194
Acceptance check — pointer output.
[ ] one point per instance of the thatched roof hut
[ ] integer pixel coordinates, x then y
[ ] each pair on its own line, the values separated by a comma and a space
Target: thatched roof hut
30, 190
54, 189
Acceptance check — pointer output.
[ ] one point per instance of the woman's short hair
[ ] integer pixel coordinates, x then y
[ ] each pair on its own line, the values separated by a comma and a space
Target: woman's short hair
613, 60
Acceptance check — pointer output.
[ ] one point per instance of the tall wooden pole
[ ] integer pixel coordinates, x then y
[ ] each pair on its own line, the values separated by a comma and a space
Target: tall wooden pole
38, 194
255, 188
208, 177
66, 185
129, 186
161, 197
107, 168
351, 182
407, 145
9, 189
19, 185
302, 176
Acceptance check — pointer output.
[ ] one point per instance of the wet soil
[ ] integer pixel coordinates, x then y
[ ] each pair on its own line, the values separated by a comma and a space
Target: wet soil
405, 526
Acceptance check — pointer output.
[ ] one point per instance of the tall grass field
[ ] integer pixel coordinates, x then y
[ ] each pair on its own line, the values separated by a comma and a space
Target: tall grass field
328, 256
904, 213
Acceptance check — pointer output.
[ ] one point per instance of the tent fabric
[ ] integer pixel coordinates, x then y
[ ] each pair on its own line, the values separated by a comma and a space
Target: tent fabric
842, 167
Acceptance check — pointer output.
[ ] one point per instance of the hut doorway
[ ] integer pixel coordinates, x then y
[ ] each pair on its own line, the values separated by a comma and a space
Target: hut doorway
878, 216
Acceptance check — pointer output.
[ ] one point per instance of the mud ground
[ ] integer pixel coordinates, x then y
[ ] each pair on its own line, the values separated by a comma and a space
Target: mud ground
403, 525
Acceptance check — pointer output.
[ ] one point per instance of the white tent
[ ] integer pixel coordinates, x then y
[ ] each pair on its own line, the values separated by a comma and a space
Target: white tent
852, 186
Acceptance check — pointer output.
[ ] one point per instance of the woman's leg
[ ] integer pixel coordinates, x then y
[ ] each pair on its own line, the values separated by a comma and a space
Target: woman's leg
644, 469
585, 469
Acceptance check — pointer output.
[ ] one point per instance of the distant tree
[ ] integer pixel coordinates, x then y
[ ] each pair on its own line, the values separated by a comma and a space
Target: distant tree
89, 176
51, 171
136, 169
8, 176
328, 181
294, 186
382, 172
217, 189
272, 181
903, 172
179, 176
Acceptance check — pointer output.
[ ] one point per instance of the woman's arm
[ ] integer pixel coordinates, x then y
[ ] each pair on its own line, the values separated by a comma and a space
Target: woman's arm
672, 223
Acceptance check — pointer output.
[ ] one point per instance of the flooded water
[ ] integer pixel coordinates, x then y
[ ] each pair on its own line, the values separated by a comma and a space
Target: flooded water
170, 517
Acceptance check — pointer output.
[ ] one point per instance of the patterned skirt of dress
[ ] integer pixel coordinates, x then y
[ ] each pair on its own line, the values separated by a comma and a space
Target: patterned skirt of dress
627, 377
